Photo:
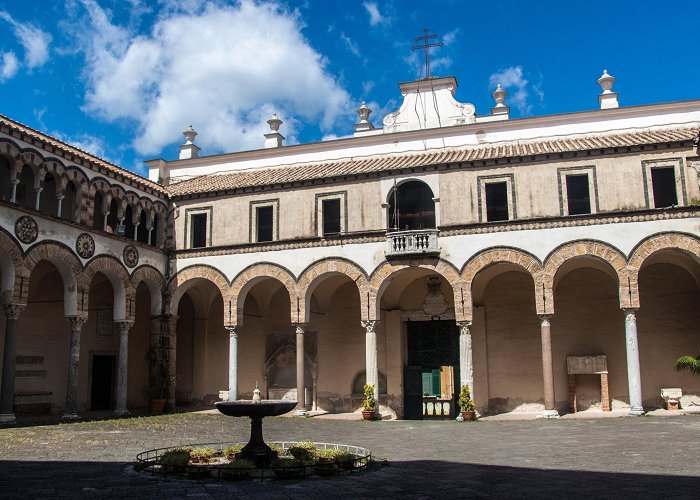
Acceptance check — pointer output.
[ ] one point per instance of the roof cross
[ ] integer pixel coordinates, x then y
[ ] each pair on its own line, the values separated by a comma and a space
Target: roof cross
426, 48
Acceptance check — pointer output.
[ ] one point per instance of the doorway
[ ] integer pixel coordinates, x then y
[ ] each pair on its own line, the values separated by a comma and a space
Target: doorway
102, 393
432, 370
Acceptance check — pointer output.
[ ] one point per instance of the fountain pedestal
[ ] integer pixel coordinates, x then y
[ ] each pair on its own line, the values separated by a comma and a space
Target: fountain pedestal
256, 449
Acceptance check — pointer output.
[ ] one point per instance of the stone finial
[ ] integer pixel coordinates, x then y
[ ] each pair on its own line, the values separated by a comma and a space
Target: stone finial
189, 149
274, 139
363, 112
256, 393
499, 95
608, 99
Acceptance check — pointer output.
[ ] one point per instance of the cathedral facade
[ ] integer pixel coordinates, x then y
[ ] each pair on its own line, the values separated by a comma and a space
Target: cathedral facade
551, 263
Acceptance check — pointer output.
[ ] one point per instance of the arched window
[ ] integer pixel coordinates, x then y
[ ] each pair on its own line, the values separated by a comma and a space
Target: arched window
69, 206
143, 231
98, 219
112, 221
129, 227
48, 203
411, 207
26, 196
154, 233
358, 383
5, 183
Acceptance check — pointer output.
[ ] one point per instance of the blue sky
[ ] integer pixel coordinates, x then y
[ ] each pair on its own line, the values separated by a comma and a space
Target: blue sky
122, 79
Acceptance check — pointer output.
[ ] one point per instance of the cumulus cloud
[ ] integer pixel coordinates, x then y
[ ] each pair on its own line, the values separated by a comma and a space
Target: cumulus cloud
513, 81
34, 40
375, 17
224, 68
87, 142
9, 66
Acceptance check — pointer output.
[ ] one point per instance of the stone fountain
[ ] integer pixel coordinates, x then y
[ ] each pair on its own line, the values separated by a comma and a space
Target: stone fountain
257, 409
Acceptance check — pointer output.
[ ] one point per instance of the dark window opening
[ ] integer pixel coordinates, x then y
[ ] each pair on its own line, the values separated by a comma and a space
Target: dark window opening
69, 203
264, 218
578, 196
129, 227
5, 184
25, 194
331, 217
97, 215
411, 207
496, 201
48, 203
112, 220
154, 232
199, 230
142, 235
663, 181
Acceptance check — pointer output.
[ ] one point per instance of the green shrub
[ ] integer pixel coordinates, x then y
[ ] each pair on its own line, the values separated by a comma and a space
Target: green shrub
240, 463
201, 455
230, 452
178, 457
465, 399
370, 404
304, 450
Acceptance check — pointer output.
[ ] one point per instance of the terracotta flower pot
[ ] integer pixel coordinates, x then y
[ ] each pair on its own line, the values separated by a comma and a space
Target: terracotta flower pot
369, 415
156, 405
468, 416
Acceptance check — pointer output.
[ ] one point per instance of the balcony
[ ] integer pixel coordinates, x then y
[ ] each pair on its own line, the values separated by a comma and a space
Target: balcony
415, 242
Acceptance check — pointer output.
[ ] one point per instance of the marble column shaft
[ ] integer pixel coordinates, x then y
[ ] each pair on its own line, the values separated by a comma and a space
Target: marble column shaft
76, 323
547, 371
232, 362
371, 370
122, 375
466, 363
301, 407
634, 377
7, 387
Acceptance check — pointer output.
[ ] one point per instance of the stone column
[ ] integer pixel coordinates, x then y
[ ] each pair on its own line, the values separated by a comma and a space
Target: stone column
169, 346
76, 323
122, 378
550, 410
301, 407
60, 206
13, 198
634, 377
37, 198
136, 231
232, 362
7, 389
466, 364
150, 231
372, 373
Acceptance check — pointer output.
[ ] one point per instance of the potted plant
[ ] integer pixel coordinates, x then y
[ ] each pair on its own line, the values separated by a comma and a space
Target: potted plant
369, 406
466, 404
157, 388
689, 363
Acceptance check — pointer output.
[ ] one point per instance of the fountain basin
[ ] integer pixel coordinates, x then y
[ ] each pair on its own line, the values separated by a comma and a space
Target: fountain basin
249, 408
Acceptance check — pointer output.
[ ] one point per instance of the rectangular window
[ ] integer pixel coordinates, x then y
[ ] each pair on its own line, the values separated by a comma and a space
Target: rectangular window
264, 217
663, 182
496, 201
198, 223
331, 216
578, 195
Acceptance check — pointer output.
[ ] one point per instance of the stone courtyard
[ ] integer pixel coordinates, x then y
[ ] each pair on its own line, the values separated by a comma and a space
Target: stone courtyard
642, 457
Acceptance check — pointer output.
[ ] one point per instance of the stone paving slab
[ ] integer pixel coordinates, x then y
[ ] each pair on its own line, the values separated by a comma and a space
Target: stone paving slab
643, 457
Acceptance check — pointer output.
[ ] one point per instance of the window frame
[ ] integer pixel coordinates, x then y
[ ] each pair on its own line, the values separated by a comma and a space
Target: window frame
590, 171
678, 171
482, 181
189, 234
318, 214
253, 219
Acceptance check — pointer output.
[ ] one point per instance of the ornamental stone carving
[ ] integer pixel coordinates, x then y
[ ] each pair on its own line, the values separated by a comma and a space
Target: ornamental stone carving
85, 246
131, 256
26, 229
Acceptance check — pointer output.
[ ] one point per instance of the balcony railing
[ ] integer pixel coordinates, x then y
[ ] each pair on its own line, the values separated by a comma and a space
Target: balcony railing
420, 241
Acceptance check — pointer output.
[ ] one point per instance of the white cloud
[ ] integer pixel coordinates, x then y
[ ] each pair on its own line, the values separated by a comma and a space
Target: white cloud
224, 69
9, 66
34, 40
375, 17
513, 81
351, 45
367, 87
450, 37
87, 142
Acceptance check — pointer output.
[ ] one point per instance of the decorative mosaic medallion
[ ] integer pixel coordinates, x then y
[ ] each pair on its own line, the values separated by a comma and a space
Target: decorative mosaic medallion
85, 246
26, 229
131, 256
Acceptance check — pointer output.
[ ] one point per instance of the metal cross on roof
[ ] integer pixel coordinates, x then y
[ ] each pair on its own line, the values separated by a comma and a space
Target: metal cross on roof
426, 48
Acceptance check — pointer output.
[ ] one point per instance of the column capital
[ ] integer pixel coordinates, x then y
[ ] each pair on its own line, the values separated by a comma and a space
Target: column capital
124, 326
630, 315
370, 325
77, 321
232, 330
13, 311
464, 327
300, 327
544, 319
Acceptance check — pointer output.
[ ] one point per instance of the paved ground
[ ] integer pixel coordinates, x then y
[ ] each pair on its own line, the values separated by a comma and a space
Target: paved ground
642, 457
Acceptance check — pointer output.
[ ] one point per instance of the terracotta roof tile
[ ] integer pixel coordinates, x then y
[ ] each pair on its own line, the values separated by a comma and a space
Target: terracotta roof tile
319, 170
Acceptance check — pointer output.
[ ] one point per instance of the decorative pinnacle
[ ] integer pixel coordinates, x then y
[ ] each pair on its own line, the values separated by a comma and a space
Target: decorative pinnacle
363, 112
606, 82
274, 122
499, 96
189, 134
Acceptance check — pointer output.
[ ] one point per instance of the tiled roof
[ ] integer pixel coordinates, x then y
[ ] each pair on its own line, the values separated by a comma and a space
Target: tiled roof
78, 153
378, 163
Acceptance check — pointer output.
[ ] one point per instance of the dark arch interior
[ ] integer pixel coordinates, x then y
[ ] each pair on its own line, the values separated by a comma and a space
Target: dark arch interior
411, 207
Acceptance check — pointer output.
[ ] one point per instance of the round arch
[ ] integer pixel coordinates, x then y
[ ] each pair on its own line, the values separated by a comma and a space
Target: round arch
598, 254
186, 278
12, 266
317, 272
118, 276
246, 279
154, 281
411, 206
68, 267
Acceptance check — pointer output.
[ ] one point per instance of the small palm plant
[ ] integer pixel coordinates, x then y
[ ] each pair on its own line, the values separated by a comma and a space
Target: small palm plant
689, 363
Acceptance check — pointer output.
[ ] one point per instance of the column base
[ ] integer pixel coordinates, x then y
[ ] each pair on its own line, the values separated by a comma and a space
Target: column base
122, 413
636, 411
71, 416
549, 414
301, 413
7, 419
